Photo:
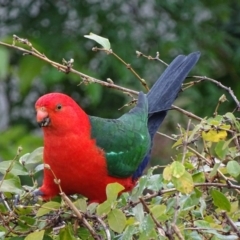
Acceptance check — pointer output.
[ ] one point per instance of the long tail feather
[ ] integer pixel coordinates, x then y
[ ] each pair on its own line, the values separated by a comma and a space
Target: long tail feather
162, 95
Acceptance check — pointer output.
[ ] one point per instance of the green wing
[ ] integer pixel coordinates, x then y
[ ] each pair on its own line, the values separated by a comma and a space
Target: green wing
125, 141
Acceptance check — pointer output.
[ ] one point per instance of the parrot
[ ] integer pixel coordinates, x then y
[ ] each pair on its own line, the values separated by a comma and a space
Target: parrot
86, 153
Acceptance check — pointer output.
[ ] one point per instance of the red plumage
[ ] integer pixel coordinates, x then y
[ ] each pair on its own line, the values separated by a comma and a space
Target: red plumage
71, 153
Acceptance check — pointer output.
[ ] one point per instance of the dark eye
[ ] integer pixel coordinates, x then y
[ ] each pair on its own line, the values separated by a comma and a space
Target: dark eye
59, 106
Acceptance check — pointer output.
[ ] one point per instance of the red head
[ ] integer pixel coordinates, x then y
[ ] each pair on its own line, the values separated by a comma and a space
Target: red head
59, 112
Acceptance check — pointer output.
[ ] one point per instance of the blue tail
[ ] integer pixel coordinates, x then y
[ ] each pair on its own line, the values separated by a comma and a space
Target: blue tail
162, 95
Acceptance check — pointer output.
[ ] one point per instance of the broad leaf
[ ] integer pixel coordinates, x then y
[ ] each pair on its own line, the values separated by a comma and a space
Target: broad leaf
47, 207
220, 150
17, 168
38, 235
104, 208
11, 183
198, 177
112, 190
220, 200
66, 234
178, 169
117, 220
233, 168
184, 184
167, 173
29, 160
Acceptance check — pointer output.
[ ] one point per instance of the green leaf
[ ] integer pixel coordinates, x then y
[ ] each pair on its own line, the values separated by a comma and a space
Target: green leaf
4, 56
177, 143
159, 212
17, 168
233, 168
178, 169
117, 220
47, 207
138, 212
148, 229
184, 184
23, 210
214, 170
190, 201
91, 208
202, 224
81, 204
137, 191
112, 190
104, 208
27, 220
104, 42
198, 177
66, 234
35, 235
192, 235
220, 200
128, 232
11, 184
29, 160
155, 182
167, 173
220, 150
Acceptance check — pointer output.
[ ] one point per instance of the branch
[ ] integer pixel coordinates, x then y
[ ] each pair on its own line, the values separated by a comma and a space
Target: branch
204, 78
80, 216
177, 231
67, 67
128, 66
231, 223
159, 227
107, 232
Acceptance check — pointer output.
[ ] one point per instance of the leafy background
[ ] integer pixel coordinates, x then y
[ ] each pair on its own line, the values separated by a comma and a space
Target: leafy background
174, 27
57, 29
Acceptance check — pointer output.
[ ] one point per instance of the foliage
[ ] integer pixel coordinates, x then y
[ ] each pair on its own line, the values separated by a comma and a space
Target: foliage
57, 28
196, 196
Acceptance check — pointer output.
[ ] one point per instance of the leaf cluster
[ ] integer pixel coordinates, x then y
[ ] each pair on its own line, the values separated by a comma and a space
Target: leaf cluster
196, 196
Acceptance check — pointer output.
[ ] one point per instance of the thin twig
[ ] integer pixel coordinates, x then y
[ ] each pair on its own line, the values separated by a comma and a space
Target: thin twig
86, 78
140, 54
128, 66
166, 191
228, 89
174, 221
189, 114
80, 216
162, 232
107, 232
231, 223
177, 231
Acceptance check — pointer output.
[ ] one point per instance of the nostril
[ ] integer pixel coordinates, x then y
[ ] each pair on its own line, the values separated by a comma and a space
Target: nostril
41, 114
42, 117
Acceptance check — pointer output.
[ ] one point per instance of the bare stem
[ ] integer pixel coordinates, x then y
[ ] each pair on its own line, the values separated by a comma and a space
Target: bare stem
128, 66
228, 89
80, 216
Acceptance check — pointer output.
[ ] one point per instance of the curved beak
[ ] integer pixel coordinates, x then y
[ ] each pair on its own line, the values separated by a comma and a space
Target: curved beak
42, 117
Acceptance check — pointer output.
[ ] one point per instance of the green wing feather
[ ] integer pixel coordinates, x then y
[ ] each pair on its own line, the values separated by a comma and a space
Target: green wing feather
125, 140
